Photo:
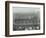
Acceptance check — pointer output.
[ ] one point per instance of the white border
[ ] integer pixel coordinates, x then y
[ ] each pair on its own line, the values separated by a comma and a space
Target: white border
24, 32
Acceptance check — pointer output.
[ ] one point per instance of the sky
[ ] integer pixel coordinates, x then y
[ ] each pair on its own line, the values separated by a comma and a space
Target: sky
25, 10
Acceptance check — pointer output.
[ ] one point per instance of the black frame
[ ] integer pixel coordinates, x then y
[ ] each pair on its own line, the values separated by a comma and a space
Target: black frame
7, 18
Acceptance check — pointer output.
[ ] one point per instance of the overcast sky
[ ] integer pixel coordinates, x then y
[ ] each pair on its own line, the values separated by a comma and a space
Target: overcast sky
25, 10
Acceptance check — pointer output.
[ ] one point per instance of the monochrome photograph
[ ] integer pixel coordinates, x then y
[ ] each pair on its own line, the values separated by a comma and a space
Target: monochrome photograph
26, 18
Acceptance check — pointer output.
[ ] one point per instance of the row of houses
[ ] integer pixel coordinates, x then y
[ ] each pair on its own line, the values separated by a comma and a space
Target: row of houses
26, 22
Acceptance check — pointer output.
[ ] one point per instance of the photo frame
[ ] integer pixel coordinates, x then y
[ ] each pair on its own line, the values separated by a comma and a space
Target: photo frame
24, 18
